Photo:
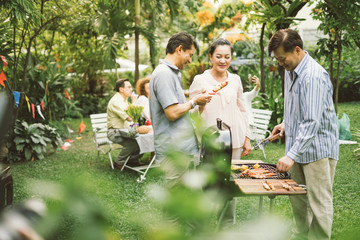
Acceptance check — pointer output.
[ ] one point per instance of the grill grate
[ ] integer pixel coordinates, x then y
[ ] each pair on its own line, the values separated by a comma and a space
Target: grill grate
267, 166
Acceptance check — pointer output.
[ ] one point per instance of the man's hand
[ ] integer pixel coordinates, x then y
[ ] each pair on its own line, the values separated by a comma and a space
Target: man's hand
202, 98
284, 164
279, 129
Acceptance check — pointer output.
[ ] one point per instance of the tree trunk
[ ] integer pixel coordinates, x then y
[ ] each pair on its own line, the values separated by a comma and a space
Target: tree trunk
15, 65
137, 23
339, 51
262, 73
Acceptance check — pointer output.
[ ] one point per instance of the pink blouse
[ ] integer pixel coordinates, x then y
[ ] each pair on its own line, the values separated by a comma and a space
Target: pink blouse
227, 104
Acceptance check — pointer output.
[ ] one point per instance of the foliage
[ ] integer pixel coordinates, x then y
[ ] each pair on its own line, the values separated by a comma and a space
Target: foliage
47, 83
281, 14
340, 16
272, 99
193, 69
349, 78
61, 128
30, 141
92, 104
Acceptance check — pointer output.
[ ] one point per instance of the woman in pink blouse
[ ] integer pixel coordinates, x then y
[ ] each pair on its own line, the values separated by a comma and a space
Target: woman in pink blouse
228, 103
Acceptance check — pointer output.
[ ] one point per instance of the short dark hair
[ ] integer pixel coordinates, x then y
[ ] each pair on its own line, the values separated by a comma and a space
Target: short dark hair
287, 38
220, 42
182, 38
120, 83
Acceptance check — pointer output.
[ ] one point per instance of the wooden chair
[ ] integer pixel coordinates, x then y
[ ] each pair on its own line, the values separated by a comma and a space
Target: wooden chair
259, 128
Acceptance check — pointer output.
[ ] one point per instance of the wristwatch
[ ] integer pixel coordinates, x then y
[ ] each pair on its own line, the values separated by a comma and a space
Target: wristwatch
193, 104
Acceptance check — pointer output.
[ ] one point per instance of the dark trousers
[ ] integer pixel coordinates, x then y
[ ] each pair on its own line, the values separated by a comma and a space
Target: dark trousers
129, 147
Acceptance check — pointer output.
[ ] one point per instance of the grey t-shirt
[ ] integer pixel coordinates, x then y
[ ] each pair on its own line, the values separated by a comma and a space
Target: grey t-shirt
165, 90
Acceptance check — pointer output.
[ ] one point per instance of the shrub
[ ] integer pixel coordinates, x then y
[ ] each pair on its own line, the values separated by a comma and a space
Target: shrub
61, 128
30, 141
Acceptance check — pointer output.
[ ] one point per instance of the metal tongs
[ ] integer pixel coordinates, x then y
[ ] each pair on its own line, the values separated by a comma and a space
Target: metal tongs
261, 144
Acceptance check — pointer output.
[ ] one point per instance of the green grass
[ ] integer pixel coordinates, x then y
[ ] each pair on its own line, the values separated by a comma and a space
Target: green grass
94, 198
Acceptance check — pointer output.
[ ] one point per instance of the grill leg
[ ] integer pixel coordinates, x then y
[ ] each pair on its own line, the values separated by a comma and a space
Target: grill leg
221, 217
260, 204
234, 220
271, 202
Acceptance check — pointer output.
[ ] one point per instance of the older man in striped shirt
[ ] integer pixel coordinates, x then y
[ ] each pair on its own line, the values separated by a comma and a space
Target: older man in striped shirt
310, 128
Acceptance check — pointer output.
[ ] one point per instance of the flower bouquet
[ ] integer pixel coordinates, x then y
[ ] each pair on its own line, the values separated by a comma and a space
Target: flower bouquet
134, 112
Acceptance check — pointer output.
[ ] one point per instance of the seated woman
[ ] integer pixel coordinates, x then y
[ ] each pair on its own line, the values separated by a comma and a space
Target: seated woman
142, 89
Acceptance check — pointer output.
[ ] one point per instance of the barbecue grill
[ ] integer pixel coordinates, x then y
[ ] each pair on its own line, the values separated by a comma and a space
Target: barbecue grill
267, 166
216, 156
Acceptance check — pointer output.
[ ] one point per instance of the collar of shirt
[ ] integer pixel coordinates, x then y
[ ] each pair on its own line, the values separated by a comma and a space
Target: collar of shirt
170, 65
119, 95
300, 67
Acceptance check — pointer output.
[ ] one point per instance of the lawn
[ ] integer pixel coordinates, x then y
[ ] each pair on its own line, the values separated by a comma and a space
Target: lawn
86, 198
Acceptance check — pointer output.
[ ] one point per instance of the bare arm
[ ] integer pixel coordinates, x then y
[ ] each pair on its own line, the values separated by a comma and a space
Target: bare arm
176, 111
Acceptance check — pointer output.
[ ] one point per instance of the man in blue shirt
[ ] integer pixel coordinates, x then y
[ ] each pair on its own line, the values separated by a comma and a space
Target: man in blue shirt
310, 128
169, 110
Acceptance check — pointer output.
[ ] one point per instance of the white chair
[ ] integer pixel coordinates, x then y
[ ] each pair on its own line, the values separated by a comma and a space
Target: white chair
259, 127
99, 127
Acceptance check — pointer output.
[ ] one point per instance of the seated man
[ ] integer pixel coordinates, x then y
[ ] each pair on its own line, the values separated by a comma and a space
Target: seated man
118, 119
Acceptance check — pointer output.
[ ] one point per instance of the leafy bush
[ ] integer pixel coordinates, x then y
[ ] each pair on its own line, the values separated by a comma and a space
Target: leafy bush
47, 83
93, 104
349, 81
61, 128
30, 141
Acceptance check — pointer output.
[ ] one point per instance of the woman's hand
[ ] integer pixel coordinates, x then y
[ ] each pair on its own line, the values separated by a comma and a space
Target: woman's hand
255, 80
247, 146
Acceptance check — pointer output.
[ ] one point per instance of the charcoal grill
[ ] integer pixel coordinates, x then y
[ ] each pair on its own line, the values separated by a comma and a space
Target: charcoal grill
216, 156
267, 166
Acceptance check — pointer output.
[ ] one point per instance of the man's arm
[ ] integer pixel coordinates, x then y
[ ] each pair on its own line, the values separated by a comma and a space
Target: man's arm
175, 111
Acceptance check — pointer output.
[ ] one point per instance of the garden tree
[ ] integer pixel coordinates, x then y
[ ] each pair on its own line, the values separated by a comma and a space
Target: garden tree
163, 16
23, 15
274, 15
348, 15
118, 17
28, 20
137, 23
210, 23
339, 21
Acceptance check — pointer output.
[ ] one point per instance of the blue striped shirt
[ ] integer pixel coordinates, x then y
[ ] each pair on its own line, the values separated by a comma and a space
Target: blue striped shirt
310, 121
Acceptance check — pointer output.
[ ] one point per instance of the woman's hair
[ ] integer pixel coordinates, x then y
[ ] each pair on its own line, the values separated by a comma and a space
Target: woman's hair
220, 42
287, 38
140, 86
